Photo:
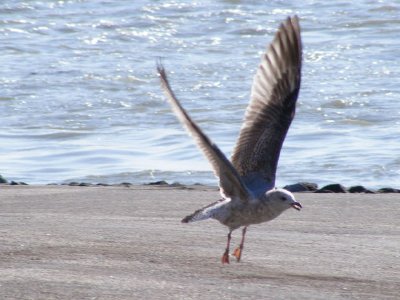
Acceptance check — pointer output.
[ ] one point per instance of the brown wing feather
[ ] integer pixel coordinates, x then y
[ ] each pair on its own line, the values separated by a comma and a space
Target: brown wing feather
229, 180
271, 109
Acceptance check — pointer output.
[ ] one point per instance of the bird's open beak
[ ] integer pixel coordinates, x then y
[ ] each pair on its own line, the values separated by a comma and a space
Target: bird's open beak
296, 205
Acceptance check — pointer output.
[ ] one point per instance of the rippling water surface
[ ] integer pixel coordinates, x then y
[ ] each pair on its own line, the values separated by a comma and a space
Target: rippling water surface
80, 99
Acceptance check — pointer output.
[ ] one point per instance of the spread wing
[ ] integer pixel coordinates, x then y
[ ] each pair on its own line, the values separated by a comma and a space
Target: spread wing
271, 109
230, 183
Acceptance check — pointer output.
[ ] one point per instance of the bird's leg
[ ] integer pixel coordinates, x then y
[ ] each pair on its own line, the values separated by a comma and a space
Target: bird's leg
238, 251
225, 256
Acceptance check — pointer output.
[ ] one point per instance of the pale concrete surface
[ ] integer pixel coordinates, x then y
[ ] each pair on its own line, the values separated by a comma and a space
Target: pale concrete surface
59, 242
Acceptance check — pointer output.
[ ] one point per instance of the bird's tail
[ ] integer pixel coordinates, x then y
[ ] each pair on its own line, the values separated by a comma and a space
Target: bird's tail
203, 213
198, 215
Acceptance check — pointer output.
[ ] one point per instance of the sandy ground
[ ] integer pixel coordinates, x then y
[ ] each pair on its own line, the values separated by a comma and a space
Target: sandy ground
60, 242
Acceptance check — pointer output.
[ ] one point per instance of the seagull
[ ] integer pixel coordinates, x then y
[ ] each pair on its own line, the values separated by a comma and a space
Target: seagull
247, 182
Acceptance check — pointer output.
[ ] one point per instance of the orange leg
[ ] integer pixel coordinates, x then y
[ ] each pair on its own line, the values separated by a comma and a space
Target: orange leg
238, 251
225, 256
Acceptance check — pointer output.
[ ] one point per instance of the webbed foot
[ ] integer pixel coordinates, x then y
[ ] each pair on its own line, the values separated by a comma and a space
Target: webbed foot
237, 253
225, 257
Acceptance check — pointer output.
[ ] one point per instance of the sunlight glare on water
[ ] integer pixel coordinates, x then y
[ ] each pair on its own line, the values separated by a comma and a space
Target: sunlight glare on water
81, 99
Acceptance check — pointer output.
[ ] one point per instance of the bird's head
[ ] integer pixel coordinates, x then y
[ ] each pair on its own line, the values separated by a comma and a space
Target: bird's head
283, 199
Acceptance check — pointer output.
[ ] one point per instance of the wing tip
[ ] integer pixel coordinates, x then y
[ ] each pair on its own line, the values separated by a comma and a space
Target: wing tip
292, 20
160, 67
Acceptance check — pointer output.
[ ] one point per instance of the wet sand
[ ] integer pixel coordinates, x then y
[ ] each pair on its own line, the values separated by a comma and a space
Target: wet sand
61, 242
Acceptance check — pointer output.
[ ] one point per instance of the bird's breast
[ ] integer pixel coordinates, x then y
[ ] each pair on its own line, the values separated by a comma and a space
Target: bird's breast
247, 214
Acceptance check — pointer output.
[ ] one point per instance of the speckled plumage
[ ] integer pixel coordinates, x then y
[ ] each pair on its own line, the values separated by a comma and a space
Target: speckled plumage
247, 183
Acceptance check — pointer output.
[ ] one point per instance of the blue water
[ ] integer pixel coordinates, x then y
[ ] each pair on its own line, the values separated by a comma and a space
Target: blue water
80, 99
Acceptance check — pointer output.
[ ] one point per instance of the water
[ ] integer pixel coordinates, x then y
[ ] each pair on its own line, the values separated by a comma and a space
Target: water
80, 99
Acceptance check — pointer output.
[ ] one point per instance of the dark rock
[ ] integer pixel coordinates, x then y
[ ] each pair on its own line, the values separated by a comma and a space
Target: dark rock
3, 180
103, 184
321, 191
332, 188
301, 187
85, 184
125, 184
359, 189
388, 190
17, 183
162, 182
73, 183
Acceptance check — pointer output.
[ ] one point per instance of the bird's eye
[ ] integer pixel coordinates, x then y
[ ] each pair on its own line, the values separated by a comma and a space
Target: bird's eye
283, 198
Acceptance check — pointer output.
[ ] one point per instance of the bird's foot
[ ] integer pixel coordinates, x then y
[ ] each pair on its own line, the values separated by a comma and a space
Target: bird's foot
237, 253
225, 257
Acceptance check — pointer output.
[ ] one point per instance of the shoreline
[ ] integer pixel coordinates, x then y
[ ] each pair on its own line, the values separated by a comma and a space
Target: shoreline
295, 188
113, 242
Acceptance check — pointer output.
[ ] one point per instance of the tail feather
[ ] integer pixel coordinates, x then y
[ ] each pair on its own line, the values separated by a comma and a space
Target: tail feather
198, 215
203, 213
187, 219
